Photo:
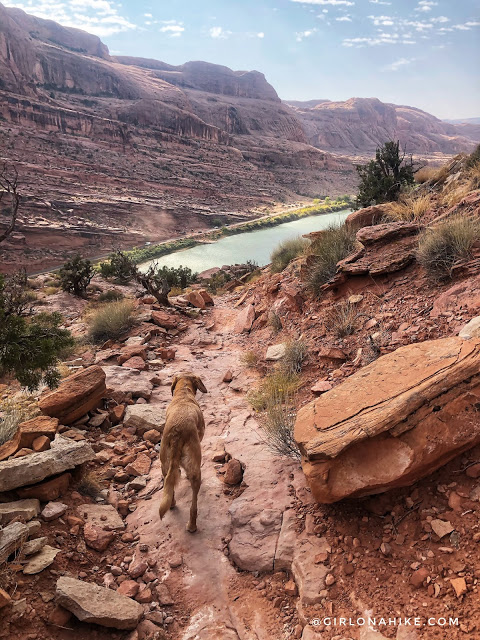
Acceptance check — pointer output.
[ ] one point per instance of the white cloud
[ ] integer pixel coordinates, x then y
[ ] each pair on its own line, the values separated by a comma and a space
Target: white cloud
219, 33
301, 35
398, 64
147, 15
440, 19
336, 3
426, 5
344, 19
173, 29
260, 34
380, 2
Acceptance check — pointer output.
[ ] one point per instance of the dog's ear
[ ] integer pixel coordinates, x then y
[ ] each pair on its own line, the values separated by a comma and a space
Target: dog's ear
174, 384
199, 384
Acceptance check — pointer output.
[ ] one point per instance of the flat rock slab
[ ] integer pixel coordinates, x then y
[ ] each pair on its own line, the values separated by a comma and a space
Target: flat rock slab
94, 604
76, 395
145, 417
394, 421
124, 382
41, 560
23, 510
12, 537
309, 577
471, 329
34, 546
101, 515
54, 510
63, 454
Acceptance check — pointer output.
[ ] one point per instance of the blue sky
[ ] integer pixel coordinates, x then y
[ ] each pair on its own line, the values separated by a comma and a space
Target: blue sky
423, 53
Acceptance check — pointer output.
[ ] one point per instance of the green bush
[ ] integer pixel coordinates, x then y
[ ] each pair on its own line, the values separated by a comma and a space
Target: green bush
287, 251
118, 267
335, 244
111, 320
75, 276
441, 246
112, 295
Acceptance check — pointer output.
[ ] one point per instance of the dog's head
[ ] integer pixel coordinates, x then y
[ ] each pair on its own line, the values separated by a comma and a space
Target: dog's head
189, 380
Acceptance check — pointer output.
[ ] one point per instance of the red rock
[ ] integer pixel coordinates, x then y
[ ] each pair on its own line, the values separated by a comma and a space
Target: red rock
417, 579
42, 443
366, 217
459, 585
167, 353
135, 363
196, 299
27, 433
332, 353
228, 376
96, 537
144, 596
473, 471
23, 452
137, 570
245, 319
134, 350
140, 466
129, 588
77, 395
149, 300
48, 490
152, 436
59, 616
163, 595
4, 598
233, 472
206, 296
116, 414
321, 387
163, 319
291, 588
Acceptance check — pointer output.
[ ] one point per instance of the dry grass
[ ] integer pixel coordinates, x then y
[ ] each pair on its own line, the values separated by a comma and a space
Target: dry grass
50, 291
250, 359
90, 484
287, 251
427, 174
453, 195
409, 207
275, 322
441, 246
275, 388
342, 319
13, 413
111, 320
295, 354
278, 429
335, 244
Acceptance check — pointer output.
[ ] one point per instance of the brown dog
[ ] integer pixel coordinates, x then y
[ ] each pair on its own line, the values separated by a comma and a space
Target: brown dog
184, 429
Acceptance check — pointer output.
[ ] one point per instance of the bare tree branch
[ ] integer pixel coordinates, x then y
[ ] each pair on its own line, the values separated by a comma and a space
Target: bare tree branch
8, 190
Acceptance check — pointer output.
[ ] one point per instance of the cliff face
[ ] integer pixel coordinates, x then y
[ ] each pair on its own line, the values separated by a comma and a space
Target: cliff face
359, 125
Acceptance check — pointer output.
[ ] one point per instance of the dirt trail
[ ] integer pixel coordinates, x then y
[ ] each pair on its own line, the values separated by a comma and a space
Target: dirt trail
218, 603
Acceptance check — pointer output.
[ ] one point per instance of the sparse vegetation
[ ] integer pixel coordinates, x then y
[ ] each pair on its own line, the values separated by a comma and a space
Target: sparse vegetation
295, 354
250, 359
112, 295
409, 207
90, 484
111, 320
287, 251
342, 319
13, 413
441, 246
276, 387
75, 276
427, 174
335, 244
118, 267
278, 428
382, 179
275, 322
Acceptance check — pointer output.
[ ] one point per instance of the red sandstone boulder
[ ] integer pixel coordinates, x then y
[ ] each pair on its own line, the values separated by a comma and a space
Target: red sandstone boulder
394, 421
206, 296
163, 319
76, 395
245, 319
134, 350
366, 217
29, 432
196, 299
135, 363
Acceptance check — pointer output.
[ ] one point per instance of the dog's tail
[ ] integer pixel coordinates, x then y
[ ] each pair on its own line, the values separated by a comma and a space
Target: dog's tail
176, 447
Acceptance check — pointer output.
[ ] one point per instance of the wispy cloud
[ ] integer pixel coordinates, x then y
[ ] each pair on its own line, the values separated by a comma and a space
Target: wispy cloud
173, 28
399, 64
380, 2
219, 33
301, 35
335, 3
100, 17
426, 5
344, 19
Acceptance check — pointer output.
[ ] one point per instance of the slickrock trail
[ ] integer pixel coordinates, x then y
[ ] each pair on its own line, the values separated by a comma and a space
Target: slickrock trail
220, 605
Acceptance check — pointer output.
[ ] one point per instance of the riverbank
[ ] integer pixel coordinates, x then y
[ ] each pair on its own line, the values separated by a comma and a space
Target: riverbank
143, 254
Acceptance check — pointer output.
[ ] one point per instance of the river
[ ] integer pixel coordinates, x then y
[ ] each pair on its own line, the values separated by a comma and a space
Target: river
252, 245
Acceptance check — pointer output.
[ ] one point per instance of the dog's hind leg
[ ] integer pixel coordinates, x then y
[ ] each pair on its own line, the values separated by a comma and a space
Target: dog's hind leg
195, 482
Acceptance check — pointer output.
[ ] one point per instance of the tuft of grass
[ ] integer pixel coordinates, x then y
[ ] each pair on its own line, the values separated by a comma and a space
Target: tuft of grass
427, 174
409, 207
274, 322
441, 246
50, 291
90, 484
111, 320
295, 354
342, 319
112, 295
13, 413
278, 429
250, 359
287, 251
276, 387
335, 244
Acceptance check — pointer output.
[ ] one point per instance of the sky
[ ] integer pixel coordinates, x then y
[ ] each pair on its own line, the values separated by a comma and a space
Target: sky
422, 53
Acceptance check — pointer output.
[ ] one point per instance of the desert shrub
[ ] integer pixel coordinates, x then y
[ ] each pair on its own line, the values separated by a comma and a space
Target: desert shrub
275, 387
75, 276
441, 246
287, 251
250, 358
118, 267
295, 354
111, 320
30, 346
112, 295
427, 174
277, 428
275, 322
216, 282
409, 207
50, 291
382, 179
90, 484
13, 413
179, 277
342, 319
335, 244
474, 157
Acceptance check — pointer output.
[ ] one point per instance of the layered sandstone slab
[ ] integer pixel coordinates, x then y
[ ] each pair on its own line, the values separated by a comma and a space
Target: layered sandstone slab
393, 422
76, 395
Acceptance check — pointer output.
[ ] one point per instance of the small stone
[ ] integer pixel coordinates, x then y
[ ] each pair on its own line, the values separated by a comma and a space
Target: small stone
441, 527
137, 570
152, 436
473, 471
129, 588
96, 537
175, 561
330, 579
228, 376
418, 577
59, 617
233, 472
290, 588
34, 546
53, 510
4, 599
459, 585
42, 443
41, 560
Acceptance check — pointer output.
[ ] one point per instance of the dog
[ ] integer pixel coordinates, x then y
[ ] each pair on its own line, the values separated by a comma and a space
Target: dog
180, 447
